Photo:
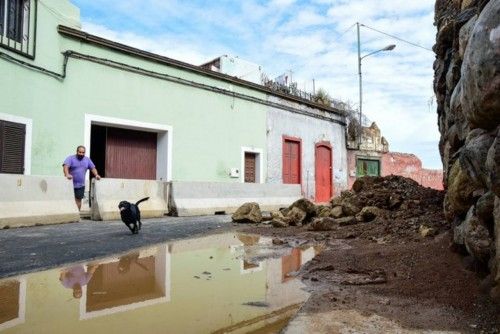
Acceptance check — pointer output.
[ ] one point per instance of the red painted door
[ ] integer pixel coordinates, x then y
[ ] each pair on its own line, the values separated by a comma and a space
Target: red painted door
130, 154
291, 161
323, 172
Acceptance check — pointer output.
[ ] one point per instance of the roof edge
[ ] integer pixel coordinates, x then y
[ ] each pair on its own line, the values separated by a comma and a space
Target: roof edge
93, 39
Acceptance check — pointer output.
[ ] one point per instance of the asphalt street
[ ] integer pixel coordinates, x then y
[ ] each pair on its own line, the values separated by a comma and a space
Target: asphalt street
29, 249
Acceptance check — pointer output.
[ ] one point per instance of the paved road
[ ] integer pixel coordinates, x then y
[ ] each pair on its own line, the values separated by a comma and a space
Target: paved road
24, 250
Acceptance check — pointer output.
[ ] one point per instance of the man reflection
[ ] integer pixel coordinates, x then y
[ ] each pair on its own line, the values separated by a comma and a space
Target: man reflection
75, 277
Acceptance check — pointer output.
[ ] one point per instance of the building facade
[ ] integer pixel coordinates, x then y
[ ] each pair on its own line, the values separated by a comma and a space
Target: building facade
146, 116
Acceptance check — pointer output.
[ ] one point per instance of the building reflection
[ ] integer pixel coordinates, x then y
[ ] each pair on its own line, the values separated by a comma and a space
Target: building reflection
209, 284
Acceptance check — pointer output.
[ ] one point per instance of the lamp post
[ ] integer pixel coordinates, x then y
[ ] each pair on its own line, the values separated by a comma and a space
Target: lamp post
387, 48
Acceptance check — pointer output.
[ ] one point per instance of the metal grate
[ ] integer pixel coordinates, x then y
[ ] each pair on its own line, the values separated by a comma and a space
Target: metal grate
18, 26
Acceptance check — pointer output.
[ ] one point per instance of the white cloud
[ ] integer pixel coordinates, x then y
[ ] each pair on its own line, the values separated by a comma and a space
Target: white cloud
310, 38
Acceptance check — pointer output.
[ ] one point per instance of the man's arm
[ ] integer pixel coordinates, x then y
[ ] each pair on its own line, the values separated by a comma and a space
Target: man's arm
66, 172
95, 173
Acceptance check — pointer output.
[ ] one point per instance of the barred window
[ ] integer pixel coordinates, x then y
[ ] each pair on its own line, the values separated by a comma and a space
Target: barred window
17, 25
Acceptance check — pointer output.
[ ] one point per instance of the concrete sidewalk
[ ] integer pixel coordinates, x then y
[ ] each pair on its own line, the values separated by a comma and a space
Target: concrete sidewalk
29, 249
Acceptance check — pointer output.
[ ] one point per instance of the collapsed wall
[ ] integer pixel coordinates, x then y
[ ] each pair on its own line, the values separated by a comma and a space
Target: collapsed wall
467, 87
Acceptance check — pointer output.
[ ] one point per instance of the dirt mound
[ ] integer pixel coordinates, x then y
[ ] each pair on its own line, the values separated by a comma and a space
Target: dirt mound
406, 209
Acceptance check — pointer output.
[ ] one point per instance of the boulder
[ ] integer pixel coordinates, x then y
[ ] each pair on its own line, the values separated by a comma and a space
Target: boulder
464, 34
474, 154
368, 213
323, 210
495, 267
336, 201
484, 208
305, 205
323, 224
277, 222
248, 213
336, 212
460, 195
344, 221
350, 209
477, 238
481, 70
493, 164
296, 216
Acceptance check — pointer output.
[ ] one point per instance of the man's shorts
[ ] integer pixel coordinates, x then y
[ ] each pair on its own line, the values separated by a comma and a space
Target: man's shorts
79, 192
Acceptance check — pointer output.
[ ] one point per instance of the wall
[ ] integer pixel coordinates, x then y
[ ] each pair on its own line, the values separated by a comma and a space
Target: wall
394, 163
467, 86
311, 131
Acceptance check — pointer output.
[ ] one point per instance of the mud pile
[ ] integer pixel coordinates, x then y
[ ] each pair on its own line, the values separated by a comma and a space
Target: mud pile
383, 209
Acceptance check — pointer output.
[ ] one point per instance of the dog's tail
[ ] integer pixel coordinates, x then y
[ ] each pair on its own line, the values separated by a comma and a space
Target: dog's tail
141, 200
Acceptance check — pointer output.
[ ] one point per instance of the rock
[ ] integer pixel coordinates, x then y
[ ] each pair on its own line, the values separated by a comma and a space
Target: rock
336, 201
350, 209
464, 35
248, 213
344, 221
323, 224
296, 216
481, 70
426, 231
474, 154
277, 222
322, 211
358, 185
484, 208
493, 165
306, 206
461, 187
495, 266
477, 238
336, 212
277, 241
368, 213
395, 201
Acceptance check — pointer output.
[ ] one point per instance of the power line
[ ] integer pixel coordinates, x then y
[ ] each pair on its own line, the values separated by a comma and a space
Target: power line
398, 38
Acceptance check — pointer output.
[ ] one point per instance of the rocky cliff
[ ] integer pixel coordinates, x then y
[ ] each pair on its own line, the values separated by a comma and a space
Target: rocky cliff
467, 87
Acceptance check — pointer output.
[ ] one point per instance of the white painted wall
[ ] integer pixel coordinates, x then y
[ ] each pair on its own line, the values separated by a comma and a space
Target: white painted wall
311, 131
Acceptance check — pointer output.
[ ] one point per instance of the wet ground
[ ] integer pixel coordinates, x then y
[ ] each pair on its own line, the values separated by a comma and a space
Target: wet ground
221, 283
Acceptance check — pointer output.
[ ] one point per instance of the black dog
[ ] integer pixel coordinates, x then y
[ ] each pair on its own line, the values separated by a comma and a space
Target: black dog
131, 215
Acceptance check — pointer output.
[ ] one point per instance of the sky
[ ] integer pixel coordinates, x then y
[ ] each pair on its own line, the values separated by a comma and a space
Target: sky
314, 39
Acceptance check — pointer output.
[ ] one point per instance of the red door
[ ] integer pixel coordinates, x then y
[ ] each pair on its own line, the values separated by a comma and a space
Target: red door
130, 154
291, 161
323, 172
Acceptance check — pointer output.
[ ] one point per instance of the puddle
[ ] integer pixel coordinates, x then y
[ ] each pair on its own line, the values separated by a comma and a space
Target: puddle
228, 283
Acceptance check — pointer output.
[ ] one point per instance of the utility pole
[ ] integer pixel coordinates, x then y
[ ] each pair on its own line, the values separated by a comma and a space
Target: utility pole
360, 88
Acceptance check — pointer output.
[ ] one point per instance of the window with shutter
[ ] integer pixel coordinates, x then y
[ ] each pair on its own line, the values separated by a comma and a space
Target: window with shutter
12, 144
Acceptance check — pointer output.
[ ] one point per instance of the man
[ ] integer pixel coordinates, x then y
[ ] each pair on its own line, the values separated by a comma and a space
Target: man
75, 167
75, 277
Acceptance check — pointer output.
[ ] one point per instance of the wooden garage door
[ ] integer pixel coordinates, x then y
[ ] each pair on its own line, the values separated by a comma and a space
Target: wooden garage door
131, 154
291, 161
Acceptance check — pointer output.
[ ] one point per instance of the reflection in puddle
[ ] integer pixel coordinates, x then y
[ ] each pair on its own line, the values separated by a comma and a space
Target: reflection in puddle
228, 283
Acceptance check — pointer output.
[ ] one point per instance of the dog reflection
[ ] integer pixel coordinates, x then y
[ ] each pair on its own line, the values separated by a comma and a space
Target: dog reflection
126, 261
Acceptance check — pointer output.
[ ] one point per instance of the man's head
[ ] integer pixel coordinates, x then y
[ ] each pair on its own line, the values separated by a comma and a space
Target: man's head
80, 152
77, 291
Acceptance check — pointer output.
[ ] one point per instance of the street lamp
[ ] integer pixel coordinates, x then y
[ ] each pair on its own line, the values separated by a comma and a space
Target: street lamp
387, 48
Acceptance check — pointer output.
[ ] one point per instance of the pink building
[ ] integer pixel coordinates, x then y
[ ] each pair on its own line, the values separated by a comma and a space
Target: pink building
371, 156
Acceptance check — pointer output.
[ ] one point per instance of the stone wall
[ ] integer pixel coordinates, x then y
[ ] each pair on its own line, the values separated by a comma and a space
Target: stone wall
467, 87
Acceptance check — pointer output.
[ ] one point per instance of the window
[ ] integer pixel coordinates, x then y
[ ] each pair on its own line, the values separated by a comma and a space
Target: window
17, 25
366, 167
12, 143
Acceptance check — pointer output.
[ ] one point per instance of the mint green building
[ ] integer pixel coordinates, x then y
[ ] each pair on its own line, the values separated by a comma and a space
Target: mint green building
139, 114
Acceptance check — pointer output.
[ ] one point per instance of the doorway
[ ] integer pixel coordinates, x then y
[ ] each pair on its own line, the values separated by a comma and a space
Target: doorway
323, 172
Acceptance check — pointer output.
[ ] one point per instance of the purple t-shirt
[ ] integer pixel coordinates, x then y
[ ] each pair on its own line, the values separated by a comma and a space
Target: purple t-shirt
78, 168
